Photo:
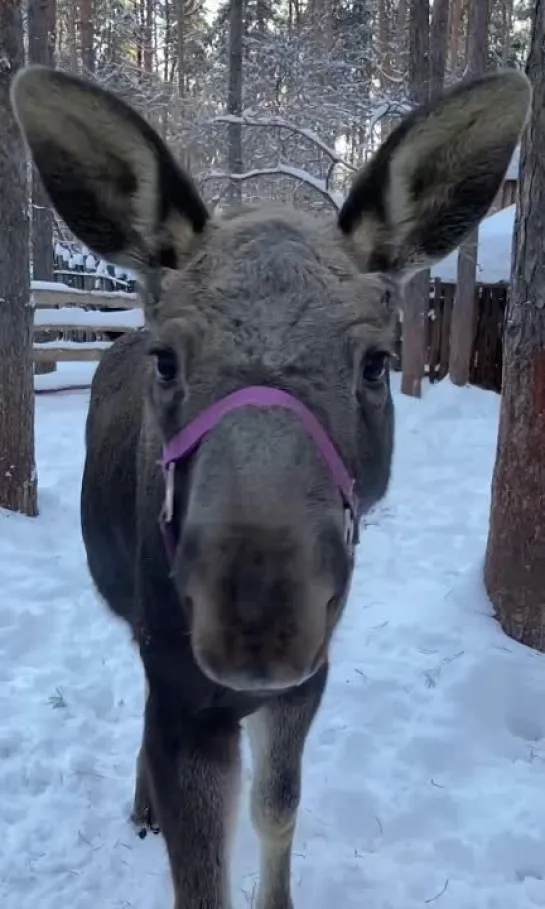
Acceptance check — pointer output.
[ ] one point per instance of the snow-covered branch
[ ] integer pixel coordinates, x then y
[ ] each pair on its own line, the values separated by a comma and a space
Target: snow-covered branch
334, 199
279, 123
387, 108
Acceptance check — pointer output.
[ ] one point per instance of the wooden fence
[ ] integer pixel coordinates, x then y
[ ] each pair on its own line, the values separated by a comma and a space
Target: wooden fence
486, 364
78, 325
85, 272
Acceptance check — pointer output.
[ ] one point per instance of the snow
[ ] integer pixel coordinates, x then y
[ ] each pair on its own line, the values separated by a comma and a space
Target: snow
61, 252
513, 169
494, 252
424, 777
49, 285
62, 344
76, 255
67, 375
74, 316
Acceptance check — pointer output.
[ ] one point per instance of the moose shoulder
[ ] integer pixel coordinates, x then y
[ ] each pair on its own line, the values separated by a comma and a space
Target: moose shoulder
234, 444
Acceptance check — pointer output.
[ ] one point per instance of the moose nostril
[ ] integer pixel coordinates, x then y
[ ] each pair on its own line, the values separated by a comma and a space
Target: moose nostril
258, 559
188, 606
254, 648
191, 545
281, 590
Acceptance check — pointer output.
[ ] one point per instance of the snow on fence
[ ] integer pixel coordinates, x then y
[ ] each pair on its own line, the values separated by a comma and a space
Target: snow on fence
83, 322
79, 268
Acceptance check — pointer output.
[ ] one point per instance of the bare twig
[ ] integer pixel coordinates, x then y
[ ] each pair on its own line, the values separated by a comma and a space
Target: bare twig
432, 899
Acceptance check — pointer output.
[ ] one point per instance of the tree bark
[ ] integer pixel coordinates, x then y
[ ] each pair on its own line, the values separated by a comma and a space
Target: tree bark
148, 36
180, 23
462, 331
506, 31
18, 484
417, 291
438, 46
167, 40
234, 98
514, 570
456, 19
72, 15
41, 47
87, 31
42, 16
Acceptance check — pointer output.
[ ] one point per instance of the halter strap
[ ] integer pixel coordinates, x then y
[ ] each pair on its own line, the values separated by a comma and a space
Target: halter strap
185, 442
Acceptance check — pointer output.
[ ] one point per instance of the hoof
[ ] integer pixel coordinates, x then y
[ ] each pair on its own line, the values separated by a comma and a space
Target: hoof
143, 832
143, 820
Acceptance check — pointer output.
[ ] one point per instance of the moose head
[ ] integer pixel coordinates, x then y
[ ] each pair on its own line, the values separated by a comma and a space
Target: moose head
290, 313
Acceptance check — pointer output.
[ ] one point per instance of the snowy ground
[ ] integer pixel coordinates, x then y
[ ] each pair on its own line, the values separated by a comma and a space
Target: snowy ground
425, 773
68, 375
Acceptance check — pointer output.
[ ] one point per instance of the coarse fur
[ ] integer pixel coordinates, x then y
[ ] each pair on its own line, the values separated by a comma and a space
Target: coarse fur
238, 624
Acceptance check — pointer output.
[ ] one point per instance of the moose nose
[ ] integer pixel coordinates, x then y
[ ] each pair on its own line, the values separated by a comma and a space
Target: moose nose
253, 575
254, 624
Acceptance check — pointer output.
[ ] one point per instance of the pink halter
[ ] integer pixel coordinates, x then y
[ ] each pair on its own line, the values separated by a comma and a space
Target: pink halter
185, 442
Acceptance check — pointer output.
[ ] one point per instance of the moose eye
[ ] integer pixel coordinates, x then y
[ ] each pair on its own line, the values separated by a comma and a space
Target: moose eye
374, 366
166, 365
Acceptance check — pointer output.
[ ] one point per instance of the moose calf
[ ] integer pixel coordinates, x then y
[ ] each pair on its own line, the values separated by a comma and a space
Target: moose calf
233, 445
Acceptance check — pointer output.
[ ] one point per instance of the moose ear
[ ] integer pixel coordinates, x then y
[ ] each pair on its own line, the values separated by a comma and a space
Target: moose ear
436, 176
106, 171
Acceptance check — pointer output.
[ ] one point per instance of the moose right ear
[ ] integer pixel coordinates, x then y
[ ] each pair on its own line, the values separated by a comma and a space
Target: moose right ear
436, 175
108, 174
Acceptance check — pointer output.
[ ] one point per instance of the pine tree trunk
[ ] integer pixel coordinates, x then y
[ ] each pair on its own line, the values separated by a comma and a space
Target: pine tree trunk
515, 557
42, 15
383, 38
72, 15
87, 31
18, 485
438, 46
41, 47
148, 37
456, 19
181, 26
417, 292
234, 97
462, 329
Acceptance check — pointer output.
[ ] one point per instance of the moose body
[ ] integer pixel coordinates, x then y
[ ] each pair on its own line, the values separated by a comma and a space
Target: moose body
234, 618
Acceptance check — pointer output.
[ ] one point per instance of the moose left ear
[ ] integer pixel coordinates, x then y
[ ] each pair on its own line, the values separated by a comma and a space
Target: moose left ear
107, 172
436, 176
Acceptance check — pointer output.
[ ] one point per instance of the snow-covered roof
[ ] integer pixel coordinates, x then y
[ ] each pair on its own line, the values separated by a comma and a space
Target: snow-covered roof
494, 254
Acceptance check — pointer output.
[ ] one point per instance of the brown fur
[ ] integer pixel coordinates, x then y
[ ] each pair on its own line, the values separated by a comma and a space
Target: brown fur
239, 624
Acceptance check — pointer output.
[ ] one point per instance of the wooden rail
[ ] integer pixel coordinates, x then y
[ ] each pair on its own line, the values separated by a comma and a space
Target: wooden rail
66, 311
70, 318
51, 295
75, 351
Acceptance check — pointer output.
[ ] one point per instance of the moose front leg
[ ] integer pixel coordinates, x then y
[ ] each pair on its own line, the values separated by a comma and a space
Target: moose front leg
194, 773
277, 734
143, 814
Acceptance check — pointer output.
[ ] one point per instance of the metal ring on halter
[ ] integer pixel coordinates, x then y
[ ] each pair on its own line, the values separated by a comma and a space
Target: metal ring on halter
168, 510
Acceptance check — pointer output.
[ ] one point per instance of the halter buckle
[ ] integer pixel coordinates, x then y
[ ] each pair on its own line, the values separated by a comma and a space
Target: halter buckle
168, 511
